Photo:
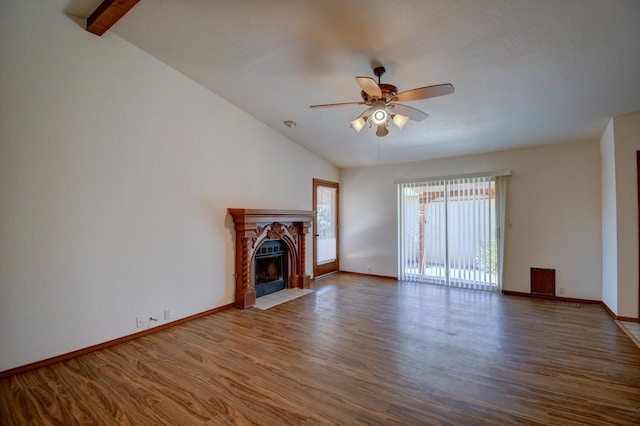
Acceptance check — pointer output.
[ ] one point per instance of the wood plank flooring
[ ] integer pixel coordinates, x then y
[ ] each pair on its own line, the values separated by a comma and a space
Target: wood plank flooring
358, 350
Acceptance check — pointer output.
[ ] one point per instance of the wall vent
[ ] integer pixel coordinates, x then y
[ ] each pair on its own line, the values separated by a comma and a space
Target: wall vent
543, 281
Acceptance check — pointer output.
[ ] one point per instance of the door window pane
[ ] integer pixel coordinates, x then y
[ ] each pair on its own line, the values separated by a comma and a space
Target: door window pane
326, 240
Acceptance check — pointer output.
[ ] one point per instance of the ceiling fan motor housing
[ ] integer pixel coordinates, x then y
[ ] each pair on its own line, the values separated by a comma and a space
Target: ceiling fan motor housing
388, 90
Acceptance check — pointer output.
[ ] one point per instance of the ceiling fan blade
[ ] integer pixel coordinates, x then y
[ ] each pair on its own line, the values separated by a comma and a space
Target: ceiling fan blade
413, 113
370, 86
424, 92
335, 105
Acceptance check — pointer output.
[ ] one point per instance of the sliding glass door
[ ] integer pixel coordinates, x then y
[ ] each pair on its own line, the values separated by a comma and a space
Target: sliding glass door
450, 231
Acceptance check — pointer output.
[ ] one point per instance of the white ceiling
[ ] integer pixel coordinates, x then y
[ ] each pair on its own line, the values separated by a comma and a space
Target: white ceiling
526, 72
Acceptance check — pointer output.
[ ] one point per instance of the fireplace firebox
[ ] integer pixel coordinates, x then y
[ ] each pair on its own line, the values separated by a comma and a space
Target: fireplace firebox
270, 267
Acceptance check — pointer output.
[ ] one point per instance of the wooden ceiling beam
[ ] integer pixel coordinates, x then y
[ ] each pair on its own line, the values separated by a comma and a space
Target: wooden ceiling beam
107, 14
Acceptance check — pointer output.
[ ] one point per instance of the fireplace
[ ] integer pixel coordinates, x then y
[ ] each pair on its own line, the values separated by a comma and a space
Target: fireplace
270, 251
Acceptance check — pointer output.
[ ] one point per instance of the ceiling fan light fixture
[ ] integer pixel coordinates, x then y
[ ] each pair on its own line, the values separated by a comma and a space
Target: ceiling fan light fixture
382, 130
358, 124
399, 120
379, 115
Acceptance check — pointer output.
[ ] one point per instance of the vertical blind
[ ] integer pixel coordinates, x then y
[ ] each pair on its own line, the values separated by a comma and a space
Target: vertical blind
450, 231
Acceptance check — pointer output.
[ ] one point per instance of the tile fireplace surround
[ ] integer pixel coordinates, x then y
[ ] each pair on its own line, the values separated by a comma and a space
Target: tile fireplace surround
254, 227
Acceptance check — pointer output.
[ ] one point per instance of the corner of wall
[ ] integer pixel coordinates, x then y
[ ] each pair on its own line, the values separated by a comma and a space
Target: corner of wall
609, 219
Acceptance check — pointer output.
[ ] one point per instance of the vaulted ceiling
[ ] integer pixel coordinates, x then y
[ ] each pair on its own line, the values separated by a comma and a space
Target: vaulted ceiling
526, 72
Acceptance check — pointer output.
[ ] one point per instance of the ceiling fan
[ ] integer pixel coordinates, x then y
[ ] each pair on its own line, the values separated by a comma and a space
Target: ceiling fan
383, 99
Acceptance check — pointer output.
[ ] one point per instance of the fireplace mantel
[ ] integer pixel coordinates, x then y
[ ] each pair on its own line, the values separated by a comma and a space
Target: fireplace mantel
253, 227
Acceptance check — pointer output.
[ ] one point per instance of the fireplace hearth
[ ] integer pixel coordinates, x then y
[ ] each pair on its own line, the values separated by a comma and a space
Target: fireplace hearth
269, 244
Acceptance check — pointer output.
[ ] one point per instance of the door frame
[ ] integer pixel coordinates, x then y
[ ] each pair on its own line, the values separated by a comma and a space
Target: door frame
327, 267
638, 190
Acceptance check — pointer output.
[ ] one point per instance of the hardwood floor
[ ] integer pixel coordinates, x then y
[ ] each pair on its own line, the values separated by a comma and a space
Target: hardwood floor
358, 350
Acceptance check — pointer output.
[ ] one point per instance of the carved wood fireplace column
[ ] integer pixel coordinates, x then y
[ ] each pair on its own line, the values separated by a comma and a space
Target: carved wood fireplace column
245, 292
253, 227
301, 279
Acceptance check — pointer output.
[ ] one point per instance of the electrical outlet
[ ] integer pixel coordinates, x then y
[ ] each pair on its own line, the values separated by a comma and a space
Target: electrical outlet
139, 321
561, 290
369, 269
167, 314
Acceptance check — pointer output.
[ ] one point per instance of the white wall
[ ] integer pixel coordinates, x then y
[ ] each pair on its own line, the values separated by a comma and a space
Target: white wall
626, 129
116, 173
553, 205
609, 220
